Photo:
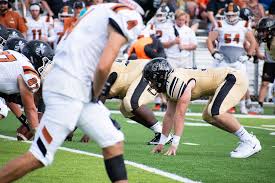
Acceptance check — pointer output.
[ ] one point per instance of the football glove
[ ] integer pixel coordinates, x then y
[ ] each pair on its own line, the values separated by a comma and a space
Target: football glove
218, 56
246, 58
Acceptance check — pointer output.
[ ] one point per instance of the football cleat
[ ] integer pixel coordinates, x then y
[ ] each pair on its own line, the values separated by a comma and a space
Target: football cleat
256, 110
243, 110
155, 140
247, 148
24, 134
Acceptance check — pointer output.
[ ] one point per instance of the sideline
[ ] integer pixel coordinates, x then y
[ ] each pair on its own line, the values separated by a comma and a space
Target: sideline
137, 165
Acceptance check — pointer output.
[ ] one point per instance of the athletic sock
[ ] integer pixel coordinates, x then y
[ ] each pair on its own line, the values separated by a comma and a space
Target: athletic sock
243, 134
157, 128
242, 103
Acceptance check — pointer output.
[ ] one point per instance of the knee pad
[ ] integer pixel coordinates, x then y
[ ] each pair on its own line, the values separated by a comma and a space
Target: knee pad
115, 168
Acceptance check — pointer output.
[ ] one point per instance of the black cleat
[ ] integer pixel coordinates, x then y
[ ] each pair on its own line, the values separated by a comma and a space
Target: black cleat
155, 140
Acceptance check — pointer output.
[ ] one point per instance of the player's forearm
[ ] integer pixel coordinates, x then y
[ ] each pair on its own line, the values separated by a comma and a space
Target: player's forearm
179, 124
188, 47
32, 117
210, 46
167, 125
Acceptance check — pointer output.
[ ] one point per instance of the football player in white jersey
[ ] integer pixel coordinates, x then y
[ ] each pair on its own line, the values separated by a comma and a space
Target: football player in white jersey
82, 62
64, 13
19, 81
231, 35
38, 26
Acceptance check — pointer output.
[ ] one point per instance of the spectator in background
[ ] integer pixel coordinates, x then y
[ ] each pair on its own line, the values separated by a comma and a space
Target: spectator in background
38, 28
213, 7
266, 4
53, 7
70, 21
202, 5
272, 9
241, 3
180, 42
88, 3
257, 10
10, 18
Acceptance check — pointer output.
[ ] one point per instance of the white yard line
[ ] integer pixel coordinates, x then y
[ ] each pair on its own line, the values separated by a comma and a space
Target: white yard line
200, 114
137, 165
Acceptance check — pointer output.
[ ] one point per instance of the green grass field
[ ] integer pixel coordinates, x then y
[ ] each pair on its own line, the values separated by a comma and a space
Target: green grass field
207, 162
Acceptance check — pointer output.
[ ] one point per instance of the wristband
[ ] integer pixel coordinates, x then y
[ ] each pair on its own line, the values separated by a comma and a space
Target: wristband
176, 140
162, 139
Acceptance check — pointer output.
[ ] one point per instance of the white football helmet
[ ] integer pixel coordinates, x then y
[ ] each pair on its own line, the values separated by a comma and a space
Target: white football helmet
163, 14
232, 13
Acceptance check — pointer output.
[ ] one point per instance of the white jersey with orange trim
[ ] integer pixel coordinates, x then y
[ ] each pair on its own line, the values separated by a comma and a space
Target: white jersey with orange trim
40, 29
13, 64
232, 35
79, 51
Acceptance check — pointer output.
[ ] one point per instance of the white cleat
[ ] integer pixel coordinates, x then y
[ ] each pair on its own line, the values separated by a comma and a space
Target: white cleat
243, 110
247, 148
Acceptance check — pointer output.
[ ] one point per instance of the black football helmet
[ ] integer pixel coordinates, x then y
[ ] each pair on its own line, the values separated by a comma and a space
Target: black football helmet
14, 33
40, 55
265, 29
246, 14
4, 35
231, 13
15, 44
164, 13
156, 73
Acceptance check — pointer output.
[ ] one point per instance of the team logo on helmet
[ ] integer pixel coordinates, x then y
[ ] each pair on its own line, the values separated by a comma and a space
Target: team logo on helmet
40, 49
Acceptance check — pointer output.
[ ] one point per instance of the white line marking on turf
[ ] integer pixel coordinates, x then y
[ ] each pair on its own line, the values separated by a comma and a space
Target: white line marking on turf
272, 133
191, 144
137, 165
200, 114
256, 127
196, 124
273, 146
270, 126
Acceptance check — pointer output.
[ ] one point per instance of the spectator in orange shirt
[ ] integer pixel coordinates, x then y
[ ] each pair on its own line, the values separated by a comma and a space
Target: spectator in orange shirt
69, 22
10, 18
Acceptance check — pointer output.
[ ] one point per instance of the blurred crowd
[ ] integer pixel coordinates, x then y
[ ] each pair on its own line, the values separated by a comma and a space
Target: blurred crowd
176, 24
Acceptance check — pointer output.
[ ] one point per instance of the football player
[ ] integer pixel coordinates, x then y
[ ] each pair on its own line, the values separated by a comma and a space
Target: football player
125, 82
265, 32
231, 34
38, 26
65, 12
20, 75
224, 86
82, 62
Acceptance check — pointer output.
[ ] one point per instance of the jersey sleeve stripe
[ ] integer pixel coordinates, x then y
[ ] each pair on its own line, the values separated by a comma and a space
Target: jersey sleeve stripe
172, 86
181, 90
115, 25
28, 70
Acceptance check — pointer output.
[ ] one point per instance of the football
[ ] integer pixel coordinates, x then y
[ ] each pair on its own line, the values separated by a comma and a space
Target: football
22, 133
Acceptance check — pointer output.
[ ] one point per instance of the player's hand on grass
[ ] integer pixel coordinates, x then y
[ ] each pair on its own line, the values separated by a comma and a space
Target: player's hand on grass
171, 151
157, 149
85, 139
